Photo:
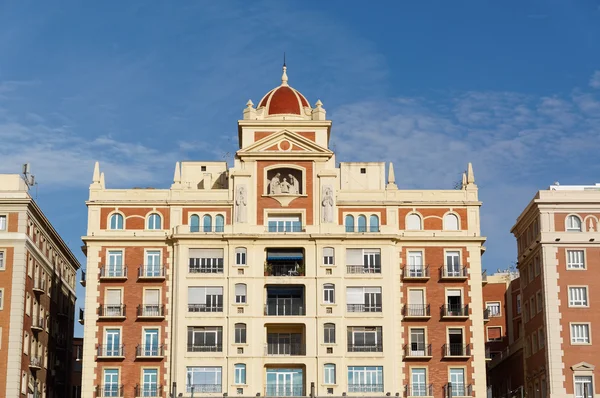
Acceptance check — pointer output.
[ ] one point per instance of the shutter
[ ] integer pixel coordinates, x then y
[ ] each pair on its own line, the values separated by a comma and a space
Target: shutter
494, 334
240, 289
372, 290
113, 297
354, 257
152, 296
328, 251
415, 297
355, 295
206, 253
453, 293
196, 295
218, 290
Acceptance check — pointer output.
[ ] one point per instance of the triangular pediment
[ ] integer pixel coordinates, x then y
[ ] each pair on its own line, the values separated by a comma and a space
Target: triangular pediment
583, 366
285, 143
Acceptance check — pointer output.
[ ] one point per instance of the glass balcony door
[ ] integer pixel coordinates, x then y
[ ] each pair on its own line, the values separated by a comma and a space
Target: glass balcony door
115, 264
151, 342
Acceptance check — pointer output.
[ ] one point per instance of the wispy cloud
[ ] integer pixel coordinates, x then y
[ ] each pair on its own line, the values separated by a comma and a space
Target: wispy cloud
595, 79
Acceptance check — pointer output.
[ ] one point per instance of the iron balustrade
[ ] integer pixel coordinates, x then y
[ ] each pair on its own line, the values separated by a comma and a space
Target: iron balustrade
111, 350
283, 270
148, 391
288, 349
362, 229
204, 388
363, 269
363, 307
457, 310
417, 350
113, 271
415, 271
365, 387
285, 307
284, 390
456, 350
486, 315
149, 350
284, 228
109, 390
453, 271
206, 307
204, 348
111, 310
151, 271
417, 310
151, 310
457, 390
419, 390
365, 347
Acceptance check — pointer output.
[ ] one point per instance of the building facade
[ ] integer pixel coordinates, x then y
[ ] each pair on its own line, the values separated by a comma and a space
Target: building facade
37, 298
557, 238
284, 272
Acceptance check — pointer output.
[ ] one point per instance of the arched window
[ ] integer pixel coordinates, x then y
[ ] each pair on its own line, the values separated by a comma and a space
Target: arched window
240, 374
374, 223
329, 293
240, 333
116, 221
240, 293
240, 256
573, 223
329, 333
194, 223
154, 221
207, 223
450, 222
219, 223
349, 223
362, 223
329, 376
413, 222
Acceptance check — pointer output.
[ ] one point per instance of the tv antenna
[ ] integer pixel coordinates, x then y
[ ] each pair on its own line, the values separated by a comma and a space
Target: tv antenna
28, 177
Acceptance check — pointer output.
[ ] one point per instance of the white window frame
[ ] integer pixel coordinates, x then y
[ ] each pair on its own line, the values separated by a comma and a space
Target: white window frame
235, 333
328, 293
239, 374
327, 333
241, 298
569, 227
328, 260
578, 296
3, 222
581, 333
446, 222
110, 218
589, 380
490, 304
153, 226
329, 374
241, 256
412, 226
2, 260
576, 265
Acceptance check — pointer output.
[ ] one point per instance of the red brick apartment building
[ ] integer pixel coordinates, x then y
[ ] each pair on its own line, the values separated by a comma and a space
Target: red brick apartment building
284, 275
37, 298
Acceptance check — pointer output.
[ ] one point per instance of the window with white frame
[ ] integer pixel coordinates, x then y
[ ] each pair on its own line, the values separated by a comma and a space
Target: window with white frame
152, 266
365, 379
328, 293
204, 379
575, 259
451, 222
26, 343
583, 387
206, 261
240, 256
284, 224
573, 223
329, 333
328, 256
363, 261
2, 264
329, 375
580, 333
240, 293
205, 299
115, 221
240, 333
363, 299
413, 222
154, 221
578, 296
416, 268
494, 309
240, 373
2, 223
204, 339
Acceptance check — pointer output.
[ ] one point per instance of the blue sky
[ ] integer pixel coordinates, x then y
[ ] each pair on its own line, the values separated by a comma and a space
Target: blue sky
512, 86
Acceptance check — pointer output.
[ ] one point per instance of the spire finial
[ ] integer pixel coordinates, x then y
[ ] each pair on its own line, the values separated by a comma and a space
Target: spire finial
470, 174
284, 78
96, 175
391, 178
284, 59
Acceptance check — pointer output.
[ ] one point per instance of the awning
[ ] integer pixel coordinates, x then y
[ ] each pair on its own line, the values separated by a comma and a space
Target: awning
284, 256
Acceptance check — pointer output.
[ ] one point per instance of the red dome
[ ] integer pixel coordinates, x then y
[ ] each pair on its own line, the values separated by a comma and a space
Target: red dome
284, 100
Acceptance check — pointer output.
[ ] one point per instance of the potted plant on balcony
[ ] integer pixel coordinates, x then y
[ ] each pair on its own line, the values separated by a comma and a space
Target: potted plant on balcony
301, 269
268, 269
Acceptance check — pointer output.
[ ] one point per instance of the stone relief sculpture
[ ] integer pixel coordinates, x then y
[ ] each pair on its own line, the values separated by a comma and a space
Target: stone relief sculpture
294, 185
327, 204
275, 186
240, 204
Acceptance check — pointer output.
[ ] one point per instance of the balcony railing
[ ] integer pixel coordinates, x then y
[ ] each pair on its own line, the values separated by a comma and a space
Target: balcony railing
109, 390
204, 348
284, 390
417, 310
363, 269
363, 307
283, 270
39, 285
457, 390
205, 269
208, 228
82, 280
284, 228
285, 307
38, 324
457, 350
419, 390
452, 310
148, 391
111, 351
288, 349
365, 387
365, 347
204, 388
486, 315
361, 229
151, 272
35, 362
81, 316
453, 272
111, 311
113, 272
417, 350
150, 311
205, 307
494, 312
415, 272
149, 351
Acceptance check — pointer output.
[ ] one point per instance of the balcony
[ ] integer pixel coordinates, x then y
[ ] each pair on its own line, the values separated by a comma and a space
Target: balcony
362, 269
418, 390
284, 262
111, 352
82, 280
39, 285
38, 324
456, 351
486, 315
204, 348
285, 307
457, 390
417, 311
365, 347
109, 390
111, 311
415, 273
197, 268
284, 270
417, 351
151, 272
454, 311
81, 316
35, 362
365, 387
285, 349
361, 228
205, 307
284, 390
455, 273
113, 272
150, 351
145, 391
151, 311
203, 388
363, 307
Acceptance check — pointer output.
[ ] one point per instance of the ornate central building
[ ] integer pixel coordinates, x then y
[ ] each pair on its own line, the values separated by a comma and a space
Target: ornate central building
285, 275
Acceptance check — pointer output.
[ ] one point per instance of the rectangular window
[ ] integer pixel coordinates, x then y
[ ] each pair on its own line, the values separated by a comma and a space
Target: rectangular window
114, 268
418, 382
365, 379
457, 381
365, 339
518, 303
530, 272
2, 223
575, 259
417, 342
541, 338
363, 299
536, 265
453, 266
240, 293
203, 379
112, 343
583, 387
26, 344
240, 256
1, 299
110, 386
205, 299
580, 333
240, 333
329, 333
415, 265
240, 373
328, 256
539, 301
493, 309
328, 293
578, 296
152, 303
150, 383
284, 224
363, 261
152, 266
150, 344
204, 339
206, 261
532, 307
329, 373
2, 255
494, 333
534, 343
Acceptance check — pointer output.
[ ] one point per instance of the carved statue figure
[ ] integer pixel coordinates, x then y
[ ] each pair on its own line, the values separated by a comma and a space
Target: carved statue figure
275, 188
294, 185
240, 204
284, 186
327, 205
